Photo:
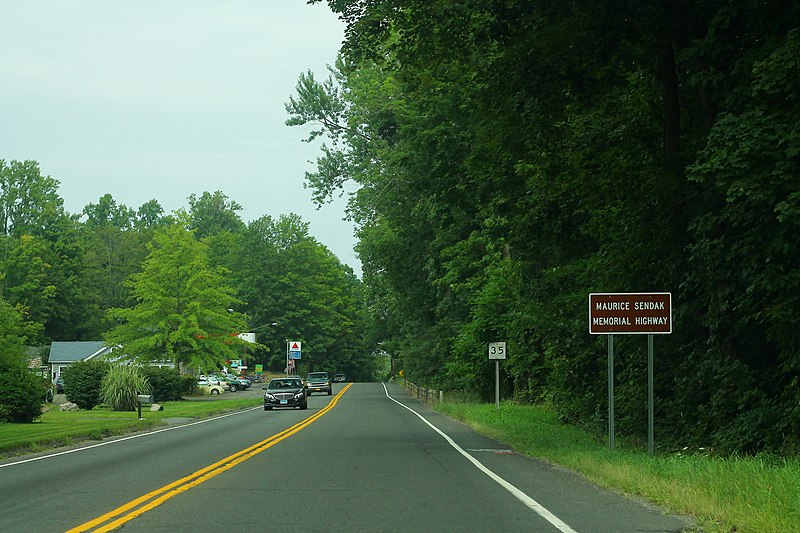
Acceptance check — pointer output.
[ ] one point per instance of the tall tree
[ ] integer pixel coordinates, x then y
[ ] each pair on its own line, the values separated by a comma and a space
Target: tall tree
28, 200
574, 148
106, 212
151, 215
22, 391
213, 213
181, 312
291, 279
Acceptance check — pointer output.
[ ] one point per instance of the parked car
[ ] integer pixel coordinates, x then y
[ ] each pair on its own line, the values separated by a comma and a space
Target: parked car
339, 378
244, 383
232, 381
218, 380
285, 392
207, 387
319, 382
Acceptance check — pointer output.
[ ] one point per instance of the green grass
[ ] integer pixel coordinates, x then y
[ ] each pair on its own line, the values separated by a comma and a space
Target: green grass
752, 494
57, 428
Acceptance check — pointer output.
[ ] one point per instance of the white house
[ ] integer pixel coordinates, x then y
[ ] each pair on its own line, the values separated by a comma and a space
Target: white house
63, 354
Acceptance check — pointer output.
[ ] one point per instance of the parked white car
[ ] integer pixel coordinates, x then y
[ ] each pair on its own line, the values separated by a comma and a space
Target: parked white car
207, 387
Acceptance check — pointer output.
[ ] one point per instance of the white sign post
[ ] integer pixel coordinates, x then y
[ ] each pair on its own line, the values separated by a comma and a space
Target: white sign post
497, 351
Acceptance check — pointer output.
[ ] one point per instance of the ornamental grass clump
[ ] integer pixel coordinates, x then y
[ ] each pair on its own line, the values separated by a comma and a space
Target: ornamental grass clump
122, 385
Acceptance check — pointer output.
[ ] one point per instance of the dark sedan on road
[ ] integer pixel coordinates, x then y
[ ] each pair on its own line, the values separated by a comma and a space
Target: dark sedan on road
285, 392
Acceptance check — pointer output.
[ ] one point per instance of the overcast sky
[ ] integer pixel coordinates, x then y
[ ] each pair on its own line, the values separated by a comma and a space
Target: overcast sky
162, 99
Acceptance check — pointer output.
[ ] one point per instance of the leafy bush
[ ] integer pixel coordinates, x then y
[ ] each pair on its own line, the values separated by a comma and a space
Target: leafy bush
21, 392
21, 395
167, 383
121, 385
83, 382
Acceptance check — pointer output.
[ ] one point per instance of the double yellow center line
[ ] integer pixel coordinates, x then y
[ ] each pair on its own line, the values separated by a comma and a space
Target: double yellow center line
151, 500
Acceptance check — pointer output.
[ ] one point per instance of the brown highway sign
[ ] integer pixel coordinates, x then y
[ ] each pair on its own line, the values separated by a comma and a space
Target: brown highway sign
630, 313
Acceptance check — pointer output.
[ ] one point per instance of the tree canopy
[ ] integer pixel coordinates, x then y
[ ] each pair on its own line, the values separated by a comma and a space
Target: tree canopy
181, 314
510, 157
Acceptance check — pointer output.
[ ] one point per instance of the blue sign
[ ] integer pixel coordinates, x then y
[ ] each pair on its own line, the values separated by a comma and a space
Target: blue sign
294, 354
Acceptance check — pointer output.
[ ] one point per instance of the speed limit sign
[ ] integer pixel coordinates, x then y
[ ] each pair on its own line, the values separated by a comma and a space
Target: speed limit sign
497, 350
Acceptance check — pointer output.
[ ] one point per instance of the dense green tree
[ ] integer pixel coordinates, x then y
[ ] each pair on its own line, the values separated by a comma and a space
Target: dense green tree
106, 212
180, 312
21, 391
212, 213
151, 215
28, 200
114, 239
40, 249
28, 280
294, 281
576, 148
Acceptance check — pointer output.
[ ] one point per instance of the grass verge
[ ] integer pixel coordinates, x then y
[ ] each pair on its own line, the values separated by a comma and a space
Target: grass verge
58, 428
743, 494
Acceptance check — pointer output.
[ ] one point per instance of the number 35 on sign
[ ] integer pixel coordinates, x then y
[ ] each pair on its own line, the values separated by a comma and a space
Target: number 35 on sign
497, 350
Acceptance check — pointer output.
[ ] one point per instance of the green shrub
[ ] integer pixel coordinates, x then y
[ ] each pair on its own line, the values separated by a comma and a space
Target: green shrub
121, 386
83, 382
188, 385
20, 394
167, 383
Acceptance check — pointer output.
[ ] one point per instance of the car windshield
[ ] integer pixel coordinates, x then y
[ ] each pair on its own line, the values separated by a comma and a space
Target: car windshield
318, 375
285, 384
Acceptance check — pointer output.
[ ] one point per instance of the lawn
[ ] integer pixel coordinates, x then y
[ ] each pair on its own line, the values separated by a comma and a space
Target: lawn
58, 428
743, 494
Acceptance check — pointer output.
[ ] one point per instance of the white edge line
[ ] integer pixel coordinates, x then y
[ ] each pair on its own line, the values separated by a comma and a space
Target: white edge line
122, 439
521, 496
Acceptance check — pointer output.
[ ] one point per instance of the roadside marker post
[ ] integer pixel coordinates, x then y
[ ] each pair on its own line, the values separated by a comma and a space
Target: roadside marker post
629, 313
497, 351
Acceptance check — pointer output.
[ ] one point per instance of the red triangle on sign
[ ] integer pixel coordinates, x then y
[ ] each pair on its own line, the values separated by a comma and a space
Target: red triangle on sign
295, 346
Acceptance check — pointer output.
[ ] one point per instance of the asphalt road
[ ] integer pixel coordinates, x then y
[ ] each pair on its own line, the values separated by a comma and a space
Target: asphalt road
368, 458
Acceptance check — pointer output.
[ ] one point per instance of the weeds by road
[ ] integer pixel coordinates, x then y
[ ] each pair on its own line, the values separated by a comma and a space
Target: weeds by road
744, 494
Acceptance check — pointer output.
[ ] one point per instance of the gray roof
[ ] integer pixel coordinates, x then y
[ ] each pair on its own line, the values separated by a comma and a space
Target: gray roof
72, 352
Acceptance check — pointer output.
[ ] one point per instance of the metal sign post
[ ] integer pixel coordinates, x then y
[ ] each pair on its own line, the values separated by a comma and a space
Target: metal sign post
631, 314
611, 392
650, 402
497, 351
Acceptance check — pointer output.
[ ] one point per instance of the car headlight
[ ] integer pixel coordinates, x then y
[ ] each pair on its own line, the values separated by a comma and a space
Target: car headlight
299, 395
269, 396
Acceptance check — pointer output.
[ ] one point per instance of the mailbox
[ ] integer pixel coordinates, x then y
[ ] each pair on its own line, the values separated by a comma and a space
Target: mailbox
146, 398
